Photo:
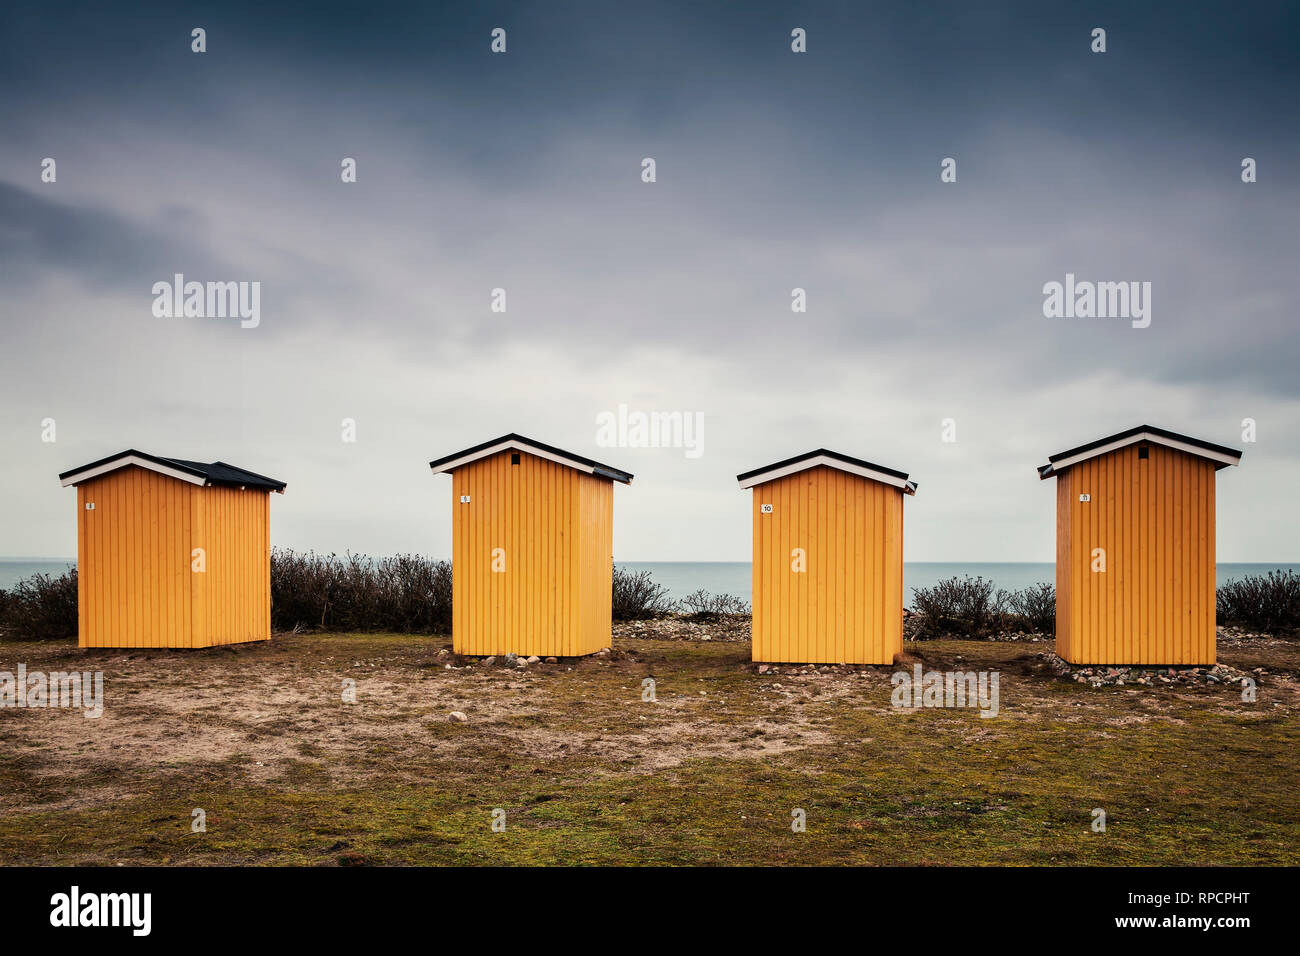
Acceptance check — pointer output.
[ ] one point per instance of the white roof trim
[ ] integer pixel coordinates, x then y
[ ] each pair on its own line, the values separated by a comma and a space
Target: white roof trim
1197, 450
87, 474
908, 486
512, 444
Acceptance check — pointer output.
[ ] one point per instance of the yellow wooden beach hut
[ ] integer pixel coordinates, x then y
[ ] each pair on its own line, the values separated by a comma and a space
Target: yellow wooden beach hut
828, 560
1135, 562
171, 552
532, 548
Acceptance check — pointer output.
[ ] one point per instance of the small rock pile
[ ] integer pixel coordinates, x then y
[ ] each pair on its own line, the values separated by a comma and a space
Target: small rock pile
679, 627
514, 661
1029, 636
519, 662
1232, 636
1102, 675
797, 669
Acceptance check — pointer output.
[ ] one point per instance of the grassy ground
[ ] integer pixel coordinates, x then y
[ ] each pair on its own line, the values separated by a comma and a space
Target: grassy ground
586, 772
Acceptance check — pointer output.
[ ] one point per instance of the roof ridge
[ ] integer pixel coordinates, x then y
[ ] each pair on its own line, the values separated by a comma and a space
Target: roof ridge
889, 476
210, 473
496, 445
1200, 447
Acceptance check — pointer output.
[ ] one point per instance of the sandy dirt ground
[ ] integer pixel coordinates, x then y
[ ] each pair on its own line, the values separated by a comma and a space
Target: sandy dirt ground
274, 714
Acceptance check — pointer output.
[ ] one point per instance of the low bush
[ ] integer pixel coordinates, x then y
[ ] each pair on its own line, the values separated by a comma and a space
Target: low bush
972, 608
42, 607
1034, 608
405, 593
959, 607
1262, 602
702, 606
637, 597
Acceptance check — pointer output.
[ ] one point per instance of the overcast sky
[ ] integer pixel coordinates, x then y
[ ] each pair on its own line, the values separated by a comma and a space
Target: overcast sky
523, 171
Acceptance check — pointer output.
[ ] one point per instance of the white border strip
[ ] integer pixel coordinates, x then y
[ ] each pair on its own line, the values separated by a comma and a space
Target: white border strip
1145, 437
87, 474
507, 446
807, 463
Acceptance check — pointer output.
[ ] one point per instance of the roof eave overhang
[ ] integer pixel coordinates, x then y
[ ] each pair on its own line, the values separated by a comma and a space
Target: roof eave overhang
751, 479
271, 483
1058, 463
125, 461
516, 444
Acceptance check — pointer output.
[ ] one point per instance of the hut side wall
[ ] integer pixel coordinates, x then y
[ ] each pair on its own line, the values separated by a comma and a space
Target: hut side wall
232, 597
597, 564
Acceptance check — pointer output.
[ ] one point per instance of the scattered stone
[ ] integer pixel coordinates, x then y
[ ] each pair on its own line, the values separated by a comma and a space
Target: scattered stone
534, 659
726, 627
552, 660
763, 668
489, 661
456, 717
1232, 636
1106, 676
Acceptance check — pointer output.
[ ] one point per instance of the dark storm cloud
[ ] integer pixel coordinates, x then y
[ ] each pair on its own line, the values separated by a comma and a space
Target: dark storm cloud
775, 171
923, 67
96, 246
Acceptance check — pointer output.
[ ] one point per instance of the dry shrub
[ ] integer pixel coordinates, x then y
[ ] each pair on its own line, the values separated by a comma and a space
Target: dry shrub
702, 606
637, 597
1261, 602
42, 607
971, 608
405, 593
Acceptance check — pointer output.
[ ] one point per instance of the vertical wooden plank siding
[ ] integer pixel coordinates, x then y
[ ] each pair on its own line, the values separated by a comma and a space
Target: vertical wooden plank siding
200, 599
847, 605
237, 580
1154, 519
128, 550
554, 526
84, 573
597, 538
1064, 568
135, 585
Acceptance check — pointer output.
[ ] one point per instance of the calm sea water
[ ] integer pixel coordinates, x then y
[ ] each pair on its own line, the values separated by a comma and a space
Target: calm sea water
13, 570
734, 577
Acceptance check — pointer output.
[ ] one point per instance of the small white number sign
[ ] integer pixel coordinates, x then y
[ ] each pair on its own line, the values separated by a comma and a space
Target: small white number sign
464, 499
1085, 497
765, 509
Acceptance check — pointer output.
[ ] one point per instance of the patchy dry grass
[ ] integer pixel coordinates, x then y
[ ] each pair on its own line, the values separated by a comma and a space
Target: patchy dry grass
260, 738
